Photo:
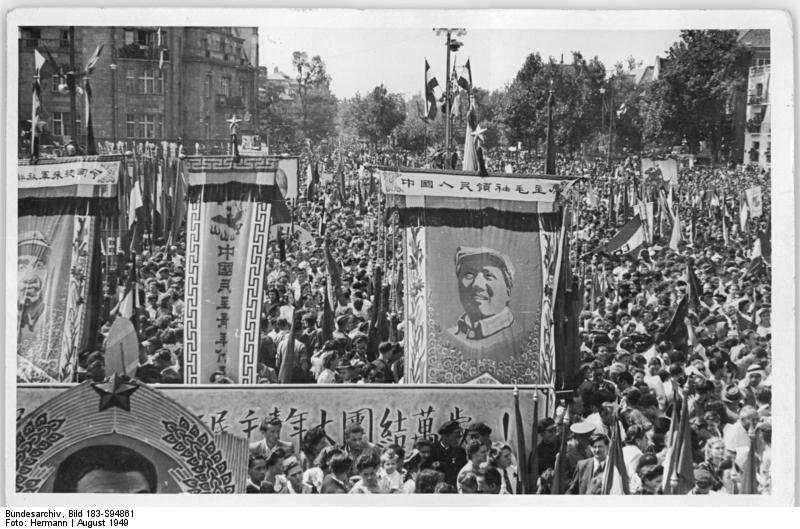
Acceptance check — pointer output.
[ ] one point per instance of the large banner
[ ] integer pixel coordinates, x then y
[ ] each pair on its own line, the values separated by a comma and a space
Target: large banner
481, 275
227, 241
754, 202
666, 169
90, 176
54, 265
389, 414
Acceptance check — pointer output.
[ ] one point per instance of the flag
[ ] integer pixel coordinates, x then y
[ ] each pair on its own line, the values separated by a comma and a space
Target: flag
135, 216
765, 245
754, 202
334, 279
550, 154
130, 300
430, 97
756, 266
36, 102
592, 196
615, 475
322, 220
676, 330
743, 214
287, 364
695, 290
160, 51
378, 315
744, 323
522, 454
675, 238
178, 201
465, 79
679, 475
629, 238
750, 469
560, 479
612, 213
470, 152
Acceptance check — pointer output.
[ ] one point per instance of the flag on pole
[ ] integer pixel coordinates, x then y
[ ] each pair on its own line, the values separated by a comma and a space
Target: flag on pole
750, 467
465, 79
287, 363
743, 214
160, 50
695, 290
725, 235
470, 152
629, 239
676, 330
754, 202
135, 216
615, 475
430, 97
36, 102
679, 478
675, 238
522, 454
560, 477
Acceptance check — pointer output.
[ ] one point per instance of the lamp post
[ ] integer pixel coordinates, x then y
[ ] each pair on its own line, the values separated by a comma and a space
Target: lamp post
452, 45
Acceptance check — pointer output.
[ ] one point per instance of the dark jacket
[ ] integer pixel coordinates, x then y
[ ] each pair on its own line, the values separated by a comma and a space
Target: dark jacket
448, 461
583, 482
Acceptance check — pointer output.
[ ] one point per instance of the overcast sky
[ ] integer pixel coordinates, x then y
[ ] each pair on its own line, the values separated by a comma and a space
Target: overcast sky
360, 59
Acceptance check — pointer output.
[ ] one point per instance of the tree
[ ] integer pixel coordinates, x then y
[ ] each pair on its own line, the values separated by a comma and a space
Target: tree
315, 110
578, 101
414, 134
376, 115
705, 70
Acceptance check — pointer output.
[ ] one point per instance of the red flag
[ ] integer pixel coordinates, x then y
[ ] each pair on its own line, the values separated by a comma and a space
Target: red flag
430, 97
522, 466
679, 475
615, 475
750, 469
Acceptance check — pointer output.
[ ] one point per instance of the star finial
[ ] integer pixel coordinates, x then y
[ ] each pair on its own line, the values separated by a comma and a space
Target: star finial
478, 133
116, 392
234, 123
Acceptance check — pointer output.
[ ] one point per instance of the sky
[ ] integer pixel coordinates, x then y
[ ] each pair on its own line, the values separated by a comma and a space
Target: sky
360, 59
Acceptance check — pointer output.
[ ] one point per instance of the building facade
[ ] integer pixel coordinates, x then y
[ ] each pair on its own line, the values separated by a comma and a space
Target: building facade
757, 146
150, 83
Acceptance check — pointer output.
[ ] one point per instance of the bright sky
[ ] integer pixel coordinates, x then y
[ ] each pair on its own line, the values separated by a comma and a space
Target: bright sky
360, 59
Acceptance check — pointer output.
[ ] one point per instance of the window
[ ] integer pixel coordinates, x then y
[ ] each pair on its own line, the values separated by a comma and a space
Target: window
148, 126
243, 90
208, 126
147, 83
207, 87
759, 90
159, 126
58, 124
226, 86
130, 80
56, 80
63, 38
204, 42
762, 62
130, 122
128, 36
159, 84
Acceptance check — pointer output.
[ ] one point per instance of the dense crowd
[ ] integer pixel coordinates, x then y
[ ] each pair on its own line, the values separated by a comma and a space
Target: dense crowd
639, 365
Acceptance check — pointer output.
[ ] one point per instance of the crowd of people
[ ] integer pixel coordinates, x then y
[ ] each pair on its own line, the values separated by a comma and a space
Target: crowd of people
638, 366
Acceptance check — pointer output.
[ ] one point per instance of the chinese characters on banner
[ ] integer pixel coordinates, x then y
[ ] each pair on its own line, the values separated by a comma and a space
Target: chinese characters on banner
396, 414
230, 210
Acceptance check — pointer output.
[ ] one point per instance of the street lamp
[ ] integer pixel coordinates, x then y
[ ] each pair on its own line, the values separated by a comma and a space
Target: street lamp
452, 46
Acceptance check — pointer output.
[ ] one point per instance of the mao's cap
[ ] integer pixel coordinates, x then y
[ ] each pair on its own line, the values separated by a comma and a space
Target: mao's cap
502, 260
34, 243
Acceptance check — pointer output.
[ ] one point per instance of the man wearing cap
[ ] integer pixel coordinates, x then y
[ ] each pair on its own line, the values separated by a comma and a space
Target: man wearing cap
32, 272
577, 446
485, 279
446, 455
271, 430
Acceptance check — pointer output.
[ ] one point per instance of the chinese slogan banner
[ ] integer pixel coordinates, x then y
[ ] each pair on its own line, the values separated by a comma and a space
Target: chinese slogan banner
481, 271
55, 256
394, 414
230, 209
91, 176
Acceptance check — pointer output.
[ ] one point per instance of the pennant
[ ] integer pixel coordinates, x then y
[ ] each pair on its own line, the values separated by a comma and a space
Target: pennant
36, 102
430, 97
743, 214
679, 478
160, 51
675, 238
465, 79
91, 148
615, 475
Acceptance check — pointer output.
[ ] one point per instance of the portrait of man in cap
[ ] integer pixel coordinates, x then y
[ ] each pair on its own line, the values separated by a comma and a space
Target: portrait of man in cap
32, 274
485, 279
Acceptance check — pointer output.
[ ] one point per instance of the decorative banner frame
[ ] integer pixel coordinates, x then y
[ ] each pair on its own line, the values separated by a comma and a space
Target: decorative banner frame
452, 213
229, 214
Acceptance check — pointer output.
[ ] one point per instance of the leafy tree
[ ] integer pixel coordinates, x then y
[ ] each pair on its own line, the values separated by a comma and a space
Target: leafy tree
577, 108
376, 115
315, 108
692, 97
415, 133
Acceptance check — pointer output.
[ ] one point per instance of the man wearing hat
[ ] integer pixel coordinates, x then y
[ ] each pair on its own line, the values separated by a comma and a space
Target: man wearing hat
447, 456
485, 279
577, 446
271, 430
32, 266
749, 386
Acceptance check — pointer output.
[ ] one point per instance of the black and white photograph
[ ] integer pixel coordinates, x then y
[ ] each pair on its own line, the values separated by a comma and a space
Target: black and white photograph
400, 253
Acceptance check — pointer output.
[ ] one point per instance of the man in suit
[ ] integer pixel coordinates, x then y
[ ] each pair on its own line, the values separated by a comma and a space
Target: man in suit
447, 456
271, 430
588, 477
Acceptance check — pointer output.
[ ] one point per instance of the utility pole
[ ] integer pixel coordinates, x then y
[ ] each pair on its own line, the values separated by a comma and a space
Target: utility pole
72, 104
452, 45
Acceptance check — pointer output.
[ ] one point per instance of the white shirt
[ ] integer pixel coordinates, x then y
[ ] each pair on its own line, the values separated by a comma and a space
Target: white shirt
736, 440
631, 454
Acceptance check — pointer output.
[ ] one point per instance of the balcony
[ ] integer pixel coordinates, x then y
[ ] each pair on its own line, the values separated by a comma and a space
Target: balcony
754, 99
223, 101
141, 52
29, 43
758, 71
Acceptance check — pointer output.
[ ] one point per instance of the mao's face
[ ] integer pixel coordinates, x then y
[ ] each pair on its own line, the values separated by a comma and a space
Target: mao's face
482, 288
113, 482
31, 275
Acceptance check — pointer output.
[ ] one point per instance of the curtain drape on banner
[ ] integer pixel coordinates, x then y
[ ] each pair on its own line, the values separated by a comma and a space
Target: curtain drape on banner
230, 210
